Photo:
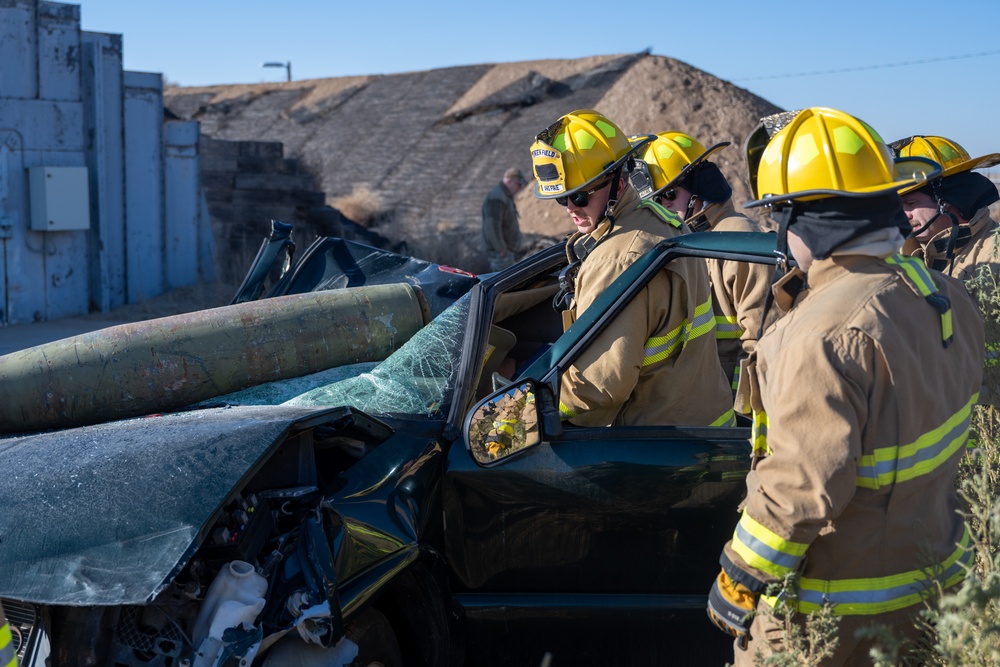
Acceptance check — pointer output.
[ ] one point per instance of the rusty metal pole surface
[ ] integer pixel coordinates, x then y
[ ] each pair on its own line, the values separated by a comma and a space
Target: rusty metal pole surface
168, 363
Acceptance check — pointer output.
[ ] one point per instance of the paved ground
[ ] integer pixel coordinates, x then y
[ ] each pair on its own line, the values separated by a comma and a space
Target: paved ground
181, 300
20, 336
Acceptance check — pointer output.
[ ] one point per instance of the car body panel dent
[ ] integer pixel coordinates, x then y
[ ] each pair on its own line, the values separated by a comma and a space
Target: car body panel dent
385, 502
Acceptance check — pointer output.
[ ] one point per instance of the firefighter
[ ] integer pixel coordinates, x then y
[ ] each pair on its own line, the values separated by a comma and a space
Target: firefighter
502, 240
866, 387
675, 172
656, 363
952, 228
953, 231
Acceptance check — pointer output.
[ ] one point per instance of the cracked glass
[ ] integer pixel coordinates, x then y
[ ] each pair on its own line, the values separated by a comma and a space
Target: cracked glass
417, 379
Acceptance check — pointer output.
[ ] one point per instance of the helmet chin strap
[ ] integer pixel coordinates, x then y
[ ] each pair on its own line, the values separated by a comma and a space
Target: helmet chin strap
612, 199
698, 222
784, 217
690, 206
563, 299
923, 227
949, 253
955, 228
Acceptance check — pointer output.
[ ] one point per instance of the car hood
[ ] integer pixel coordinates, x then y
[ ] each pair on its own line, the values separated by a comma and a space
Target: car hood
108, 514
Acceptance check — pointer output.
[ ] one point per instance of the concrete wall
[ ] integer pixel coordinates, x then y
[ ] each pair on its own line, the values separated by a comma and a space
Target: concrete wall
247, 184
66, 102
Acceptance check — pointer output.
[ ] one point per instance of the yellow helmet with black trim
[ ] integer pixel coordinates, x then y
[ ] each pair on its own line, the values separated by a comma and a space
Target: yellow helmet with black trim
673, 155
949, 154
825, 153
577, 150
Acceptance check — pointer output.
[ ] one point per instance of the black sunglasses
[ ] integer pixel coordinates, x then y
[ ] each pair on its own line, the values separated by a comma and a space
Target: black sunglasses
666, 195
581, 199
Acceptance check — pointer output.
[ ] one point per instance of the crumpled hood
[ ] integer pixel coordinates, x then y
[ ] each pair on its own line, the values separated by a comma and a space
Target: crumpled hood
107, 514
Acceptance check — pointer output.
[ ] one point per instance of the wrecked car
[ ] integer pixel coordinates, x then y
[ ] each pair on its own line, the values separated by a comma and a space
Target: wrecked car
389, 518
331, 263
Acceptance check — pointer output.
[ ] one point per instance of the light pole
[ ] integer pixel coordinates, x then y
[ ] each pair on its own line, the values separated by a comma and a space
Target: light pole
287, 66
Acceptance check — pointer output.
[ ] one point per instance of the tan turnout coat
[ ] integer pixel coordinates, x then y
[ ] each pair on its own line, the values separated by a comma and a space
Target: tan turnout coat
867, 416
738, 293
657, 363
980, 249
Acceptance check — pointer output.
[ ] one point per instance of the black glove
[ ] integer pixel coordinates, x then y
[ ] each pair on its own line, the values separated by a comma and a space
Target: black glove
729, 606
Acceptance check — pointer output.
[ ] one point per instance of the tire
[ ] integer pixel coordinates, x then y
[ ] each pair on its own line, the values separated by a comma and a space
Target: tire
377, 645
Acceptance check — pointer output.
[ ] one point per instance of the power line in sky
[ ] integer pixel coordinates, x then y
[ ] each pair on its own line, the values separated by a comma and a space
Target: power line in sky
867, 67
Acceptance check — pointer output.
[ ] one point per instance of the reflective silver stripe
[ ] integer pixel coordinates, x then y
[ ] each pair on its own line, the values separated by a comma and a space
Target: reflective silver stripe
877, 595
888, 465
704, 321
659, 348
727, 327
763, 556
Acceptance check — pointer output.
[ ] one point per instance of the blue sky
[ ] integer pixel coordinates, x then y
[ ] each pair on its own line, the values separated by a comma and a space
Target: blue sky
943, 89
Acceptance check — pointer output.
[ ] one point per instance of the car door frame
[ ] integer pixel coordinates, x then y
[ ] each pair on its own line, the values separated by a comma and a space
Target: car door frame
575, 474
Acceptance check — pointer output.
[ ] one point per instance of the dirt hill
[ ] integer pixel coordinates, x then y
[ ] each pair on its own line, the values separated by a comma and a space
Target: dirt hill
412, 155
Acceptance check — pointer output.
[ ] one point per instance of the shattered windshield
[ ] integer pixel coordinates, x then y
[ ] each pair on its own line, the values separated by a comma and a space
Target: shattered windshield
415, 380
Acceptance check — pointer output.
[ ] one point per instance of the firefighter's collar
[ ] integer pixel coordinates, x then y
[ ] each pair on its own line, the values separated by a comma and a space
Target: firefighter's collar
601, 230
717, 212
787, 288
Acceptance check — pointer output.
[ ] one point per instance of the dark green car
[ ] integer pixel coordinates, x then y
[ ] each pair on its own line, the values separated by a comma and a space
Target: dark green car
410, 514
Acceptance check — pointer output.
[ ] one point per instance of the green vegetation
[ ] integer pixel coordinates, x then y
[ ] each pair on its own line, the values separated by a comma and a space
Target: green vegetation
966, 622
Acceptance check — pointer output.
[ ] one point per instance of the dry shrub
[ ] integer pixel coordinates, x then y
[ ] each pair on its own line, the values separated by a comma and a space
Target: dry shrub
966, 621
363, 206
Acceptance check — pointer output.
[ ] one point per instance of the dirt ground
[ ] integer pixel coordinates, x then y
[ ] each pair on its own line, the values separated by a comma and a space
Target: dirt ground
431, 144
174, 302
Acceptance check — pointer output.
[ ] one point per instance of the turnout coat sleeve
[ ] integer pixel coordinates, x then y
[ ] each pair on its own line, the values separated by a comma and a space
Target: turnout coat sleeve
739, 290
597, 385
657, 362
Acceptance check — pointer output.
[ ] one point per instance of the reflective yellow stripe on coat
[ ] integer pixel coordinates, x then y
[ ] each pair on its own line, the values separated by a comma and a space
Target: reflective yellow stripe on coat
765, 550
727, 327
890, 465
663, 212
917, 271
7, 656
879, 595
758, 434
728, 418
659, 348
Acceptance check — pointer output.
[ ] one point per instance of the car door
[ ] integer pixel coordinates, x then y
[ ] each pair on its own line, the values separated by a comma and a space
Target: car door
596, 546
596, 540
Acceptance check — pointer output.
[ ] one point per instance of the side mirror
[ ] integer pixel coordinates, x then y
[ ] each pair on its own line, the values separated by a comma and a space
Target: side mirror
503, 424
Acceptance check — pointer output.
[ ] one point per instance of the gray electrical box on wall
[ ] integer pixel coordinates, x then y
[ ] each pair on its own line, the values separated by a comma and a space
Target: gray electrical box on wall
60, 198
